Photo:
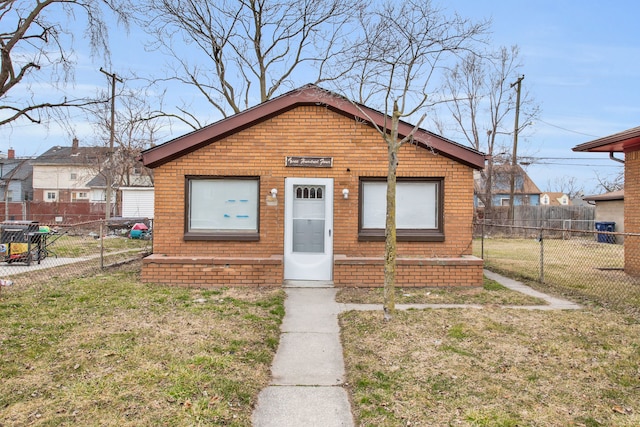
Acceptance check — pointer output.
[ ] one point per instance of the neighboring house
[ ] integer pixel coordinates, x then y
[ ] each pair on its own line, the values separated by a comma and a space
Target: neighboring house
98, 190
15, 178
554, 199
627, 142
526, 192
15, 186
98, 187
610, 208
294, 189
62, 174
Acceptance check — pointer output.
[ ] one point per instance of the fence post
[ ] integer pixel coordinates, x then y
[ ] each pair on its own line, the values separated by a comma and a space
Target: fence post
482, 239
101, 244
541, 240
152, 241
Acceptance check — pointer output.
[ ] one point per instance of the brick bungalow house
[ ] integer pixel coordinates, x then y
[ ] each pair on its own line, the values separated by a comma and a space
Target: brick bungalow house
627, 142
294, 189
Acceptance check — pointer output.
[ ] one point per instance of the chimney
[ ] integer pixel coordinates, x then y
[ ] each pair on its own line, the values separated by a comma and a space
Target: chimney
74, 145
11, 153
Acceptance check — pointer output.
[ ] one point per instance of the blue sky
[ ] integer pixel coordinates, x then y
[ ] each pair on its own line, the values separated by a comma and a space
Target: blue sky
581, 64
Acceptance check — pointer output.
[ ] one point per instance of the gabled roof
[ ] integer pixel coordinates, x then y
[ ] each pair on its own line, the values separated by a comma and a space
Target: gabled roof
612, 195
24, 169
98, 181
625, 141
554, 197
306, 95
71, 156
502, 179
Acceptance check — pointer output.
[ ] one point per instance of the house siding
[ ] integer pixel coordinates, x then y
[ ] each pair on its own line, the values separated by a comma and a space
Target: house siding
611, 211
58, 178
631, 213
137, 202
357, 151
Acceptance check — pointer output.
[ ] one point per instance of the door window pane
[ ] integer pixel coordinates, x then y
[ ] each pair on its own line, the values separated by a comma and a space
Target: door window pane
308, 219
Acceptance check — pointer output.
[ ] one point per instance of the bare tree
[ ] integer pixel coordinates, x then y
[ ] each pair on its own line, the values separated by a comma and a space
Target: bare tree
569, 185
238, 53
402, 47
136, 128
611, 182
36, 46
481, 101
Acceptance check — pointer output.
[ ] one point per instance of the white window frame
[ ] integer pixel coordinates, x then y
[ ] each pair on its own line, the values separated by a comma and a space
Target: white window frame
222, 208
79, 195
48, 194
419, 209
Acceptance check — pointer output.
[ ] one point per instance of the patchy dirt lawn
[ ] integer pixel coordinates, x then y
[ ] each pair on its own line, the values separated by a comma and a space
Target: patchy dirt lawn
491, 293
493, 367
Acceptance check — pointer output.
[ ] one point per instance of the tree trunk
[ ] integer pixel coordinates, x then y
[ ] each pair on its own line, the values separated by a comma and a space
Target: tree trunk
390, 250
488, 204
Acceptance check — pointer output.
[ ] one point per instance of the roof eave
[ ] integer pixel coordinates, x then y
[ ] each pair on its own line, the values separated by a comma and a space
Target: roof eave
308, 95
621, 142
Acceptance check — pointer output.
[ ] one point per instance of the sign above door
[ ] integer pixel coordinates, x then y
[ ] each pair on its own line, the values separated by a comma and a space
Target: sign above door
309, 162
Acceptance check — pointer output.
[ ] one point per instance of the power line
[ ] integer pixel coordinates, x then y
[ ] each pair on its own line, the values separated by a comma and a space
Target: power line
534, 158
568, 130
577, 165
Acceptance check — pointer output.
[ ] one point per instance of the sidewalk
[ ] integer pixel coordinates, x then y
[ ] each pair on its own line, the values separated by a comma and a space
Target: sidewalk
308, 368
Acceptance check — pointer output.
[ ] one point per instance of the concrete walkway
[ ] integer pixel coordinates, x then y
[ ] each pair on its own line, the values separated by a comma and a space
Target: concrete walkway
553, 303
308, 368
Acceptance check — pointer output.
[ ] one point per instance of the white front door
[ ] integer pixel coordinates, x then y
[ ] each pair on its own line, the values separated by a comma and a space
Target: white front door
308, 234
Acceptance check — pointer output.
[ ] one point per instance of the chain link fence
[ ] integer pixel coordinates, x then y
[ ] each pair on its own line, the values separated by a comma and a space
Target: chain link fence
584, 264
32, 252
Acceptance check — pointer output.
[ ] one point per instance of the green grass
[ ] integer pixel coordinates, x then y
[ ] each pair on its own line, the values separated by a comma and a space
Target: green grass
75, 246
109, 350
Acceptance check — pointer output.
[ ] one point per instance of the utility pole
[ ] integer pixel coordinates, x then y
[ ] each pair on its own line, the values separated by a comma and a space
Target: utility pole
109, 177
514, 157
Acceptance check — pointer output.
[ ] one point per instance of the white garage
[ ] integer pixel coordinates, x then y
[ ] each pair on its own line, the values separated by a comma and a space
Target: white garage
137, 202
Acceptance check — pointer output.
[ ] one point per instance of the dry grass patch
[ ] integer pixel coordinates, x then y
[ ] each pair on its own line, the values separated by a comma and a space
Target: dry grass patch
491, 293
577, 267
493, 367
108, 350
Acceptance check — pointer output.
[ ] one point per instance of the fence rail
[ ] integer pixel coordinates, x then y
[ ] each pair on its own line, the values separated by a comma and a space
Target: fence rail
31, 253
586, 264
572, 217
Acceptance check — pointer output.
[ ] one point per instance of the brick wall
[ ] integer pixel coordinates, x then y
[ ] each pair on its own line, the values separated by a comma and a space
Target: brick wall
207, 272
631, 213
357, 151
410, 272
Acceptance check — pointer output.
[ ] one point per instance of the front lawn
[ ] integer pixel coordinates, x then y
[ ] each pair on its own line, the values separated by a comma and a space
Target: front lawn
493, 367
107, 350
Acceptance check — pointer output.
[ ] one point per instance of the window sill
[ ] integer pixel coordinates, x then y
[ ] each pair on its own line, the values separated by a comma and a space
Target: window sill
242, 237
402, 236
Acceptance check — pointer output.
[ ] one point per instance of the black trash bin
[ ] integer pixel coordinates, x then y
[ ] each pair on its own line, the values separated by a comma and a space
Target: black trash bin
608, 227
